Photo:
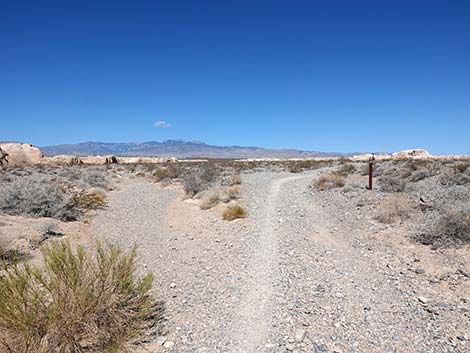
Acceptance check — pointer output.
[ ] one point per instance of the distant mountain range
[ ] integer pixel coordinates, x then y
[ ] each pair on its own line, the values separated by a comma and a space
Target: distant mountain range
179, 149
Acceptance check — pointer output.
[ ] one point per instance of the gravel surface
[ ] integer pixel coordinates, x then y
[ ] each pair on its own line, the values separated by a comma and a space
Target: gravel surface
304, 272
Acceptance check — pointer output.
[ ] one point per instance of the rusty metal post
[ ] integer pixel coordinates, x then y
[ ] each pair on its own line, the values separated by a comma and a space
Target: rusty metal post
371, 170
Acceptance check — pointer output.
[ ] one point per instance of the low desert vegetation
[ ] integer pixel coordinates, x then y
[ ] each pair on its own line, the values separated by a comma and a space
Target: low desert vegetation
211, 199
458, 174
200, 179
220, 194
346, 169
8, 253
61, 193
328, 181
395, 207
160, 174
38, 197
235, 179
76, 302
90, 199
233, 212
451, 229
391, 184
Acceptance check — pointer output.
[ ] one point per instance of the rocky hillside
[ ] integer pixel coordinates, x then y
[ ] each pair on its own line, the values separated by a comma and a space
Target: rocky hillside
179, 149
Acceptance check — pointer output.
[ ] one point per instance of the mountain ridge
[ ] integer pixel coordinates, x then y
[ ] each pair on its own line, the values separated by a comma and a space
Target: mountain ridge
180, 149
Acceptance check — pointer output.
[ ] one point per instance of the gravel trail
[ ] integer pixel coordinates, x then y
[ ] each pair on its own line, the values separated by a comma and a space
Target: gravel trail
304, 272
255, 310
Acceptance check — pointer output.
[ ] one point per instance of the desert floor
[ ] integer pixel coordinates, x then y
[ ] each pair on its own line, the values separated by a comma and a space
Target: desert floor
304, 272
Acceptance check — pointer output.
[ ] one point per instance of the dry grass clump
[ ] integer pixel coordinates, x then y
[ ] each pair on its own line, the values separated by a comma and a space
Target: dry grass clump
452, 229
235, 179
234, 192
8, 253
395, 207
210, 200
90, 199
328, 181
222, 194
233, 212
75, 303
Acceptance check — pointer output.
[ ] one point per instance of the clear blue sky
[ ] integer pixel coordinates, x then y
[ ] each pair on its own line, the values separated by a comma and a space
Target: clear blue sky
316, 75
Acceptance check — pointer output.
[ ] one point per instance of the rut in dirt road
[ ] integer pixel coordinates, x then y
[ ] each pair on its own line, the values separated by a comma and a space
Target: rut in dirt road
256, 306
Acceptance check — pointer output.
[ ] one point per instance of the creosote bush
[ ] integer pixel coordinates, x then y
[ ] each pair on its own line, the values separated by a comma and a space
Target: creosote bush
75, 303
328, 181
233, 212
452, 229
395, 207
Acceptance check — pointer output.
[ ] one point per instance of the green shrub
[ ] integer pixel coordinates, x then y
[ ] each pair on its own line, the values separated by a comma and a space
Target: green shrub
75, 303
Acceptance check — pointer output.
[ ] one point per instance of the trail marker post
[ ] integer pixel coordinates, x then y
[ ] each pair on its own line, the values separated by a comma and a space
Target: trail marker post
371, 171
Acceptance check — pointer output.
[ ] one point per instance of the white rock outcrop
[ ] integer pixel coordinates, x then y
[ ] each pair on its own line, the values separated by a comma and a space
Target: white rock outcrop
22, 154
412, 153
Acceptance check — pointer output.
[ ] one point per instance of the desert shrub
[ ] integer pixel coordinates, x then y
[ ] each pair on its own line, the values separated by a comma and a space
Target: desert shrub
210, 200
294, 167
346, 169
455, 175
452, 229
391, 184
38, 197
419, 175
395, 207
195, 181
233, 212
328, 181
94, 178
235, 179
90, 199
461, 167
160, 173
234, 192
8, 252
75, 302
